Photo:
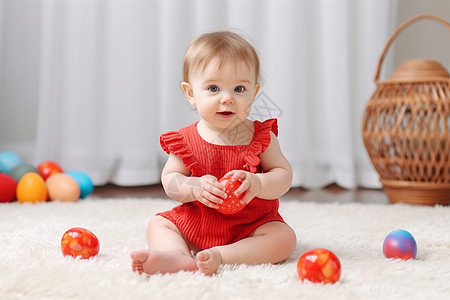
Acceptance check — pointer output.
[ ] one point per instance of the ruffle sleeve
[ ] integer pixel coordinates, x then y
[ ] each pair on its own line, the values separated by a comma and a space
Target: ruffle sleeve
173, 142
259, 143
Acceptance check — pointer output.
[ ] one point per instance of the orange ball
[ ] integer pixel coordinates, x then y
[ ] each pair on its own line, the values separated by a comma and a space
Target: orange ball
62, 187
31, 188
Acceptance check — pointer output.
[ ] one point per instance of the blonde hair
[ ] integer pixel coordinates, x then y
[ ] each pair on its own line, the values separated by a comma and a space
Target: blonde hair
227, 46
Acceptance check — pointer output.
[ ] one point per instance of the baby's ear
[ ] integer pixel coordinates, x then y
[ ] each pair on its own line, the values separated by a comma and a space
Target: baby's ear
188, 91
257, 87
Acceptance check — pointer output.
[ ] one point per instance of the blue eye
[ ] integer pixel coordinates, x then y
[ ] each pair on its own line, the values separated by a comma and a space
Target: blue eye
213, 88
239, 89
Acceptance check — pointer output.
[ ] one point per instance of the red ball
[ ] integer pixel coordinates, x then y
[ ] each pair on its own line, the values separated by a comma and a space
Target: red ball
7, 188
319, 265
48, 168
79, 242
232, 204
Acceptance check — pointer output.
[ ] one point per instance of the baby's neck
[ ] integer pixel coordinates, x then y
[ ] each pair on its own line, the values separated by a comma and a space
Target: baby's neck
241, 134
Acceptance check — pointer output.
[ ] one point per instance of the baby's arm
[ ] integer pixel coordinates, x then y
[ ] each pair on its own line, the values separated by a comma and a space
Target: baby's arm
274, 182
181, 187
277, 177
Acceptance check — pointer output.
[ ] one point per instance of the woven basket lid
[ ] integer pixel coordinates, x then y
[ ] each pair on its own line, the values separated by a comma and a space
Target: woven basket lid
419, 70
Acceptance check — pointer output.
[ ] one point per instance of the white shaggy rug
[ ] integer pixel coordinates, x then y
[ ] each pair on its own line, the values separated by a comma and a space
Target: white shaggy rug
32, 266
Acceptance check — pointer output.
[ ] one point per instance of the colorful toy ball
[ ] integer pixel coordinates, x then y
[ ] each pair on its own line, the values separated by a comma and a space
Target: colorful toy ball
9, 161
48, 168
62, 187
18, 171
79, 242
319, 266
8, 187
400, 244
84, 181
31, 188
232, 204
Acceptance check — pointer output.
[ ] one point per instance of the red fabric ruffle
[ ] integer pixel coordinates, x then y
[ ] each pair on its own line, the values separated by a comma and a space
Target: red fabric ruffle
260, 143
173, 142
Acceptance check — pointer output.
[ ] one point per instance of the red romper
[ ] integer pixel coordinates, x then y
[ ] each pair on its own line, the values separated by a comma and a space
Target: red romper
204, 226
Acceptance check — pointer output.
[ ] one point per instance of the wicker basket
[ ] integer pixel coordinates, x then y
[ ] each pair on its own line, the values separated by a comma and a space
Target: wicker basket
406, 129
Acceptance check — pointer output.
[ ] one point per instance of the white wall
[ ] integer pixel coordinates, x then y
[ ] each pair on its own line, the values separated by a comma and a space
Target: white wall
424, 39
19, 70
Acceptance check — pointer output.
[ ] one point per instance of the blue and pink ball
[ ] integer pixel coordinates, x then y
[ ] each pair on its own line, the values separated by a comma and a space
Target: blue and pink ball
400, 244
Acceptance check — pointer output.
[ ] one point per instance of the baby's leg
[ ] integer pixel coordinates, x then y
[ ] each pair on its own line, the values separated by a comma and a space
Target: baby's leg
272, 242
167, 251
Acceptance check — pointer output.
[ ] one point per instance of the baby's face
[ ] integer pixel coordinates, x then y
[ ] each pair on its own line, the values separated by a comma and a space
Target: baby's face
223, 96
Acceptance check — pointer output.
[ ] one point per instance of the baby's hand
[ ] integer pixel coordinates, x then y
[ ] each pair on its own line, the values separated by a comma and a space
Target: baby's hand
211, 192
250, 184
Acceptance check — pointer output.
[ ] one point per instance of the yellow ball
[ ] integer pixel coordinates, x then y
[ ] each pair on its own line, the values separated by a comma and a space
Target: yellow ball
62, 187
31, 188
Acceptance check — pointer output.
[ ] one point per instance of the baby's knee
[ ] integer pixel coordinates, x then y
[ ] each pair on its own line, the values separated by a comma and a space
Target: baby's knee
159, 222
288, 240
154, 221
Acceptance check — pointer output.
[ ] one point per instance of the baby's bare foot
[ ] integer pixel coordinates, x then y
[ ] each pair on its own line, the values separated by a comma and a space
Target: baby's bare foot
208, 261
152, 262
138, 258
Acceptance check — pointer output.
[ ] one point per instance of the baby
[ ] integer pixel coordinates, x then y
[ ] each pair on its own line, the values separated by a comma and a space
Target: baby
221, 80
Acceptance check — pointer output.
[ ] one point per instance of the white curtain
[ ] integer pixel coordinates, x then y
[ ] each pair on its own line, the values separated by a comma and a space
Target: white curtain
109, 74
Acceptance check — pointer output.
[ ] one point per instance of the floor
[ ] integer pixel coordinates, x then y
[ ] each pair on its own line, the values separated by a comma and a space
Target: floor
332, 193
